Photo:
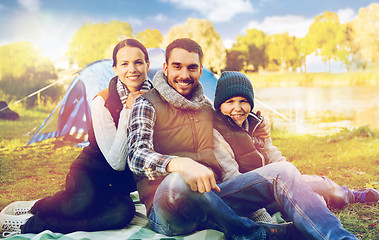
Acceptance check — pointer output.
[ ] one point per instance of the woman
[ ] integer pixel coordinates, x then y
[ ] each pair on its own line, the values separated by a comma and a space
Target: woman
234, 102
98, 186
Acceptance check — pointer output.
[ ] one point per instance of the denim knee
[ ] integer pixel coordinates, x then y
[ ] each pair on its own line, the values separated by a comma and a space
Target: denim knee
174, 185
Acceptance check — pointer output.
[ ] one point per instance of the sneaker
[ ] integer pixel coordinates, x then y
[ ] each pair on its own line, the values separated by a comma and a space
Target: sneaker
11, 225
19, 207
261, 215
278, 231
367, 195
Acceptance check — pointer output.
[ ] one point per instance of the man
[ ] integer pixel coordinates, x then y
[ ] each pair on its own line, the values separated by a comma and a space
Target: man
170, 142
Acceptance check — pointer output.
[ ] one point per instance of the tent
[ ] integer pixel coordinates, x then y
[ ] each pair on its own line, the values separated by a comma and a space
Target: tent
72, 115
6, 113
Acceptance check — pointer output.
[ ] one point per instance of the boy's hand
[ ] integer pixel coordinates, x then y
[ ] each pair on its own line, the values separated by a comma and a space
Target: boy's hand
263, 130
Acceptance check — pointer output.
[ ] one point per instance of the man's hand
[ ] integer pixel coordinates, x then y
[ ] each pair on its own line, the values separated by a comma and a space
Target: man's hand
263, 130
131, 97
199, 177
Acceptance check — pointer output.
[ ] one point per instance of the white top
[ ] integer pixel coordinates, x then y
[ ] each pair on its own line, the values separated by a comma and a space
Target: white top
111, 140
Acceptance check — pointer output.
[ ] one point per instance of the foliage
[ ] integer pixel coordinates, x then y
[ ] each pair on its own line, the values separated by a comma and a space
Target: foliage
90, 43
283, 52
355, 43
253, 49
361, 132
23, 70
204, 33
327, 37
150, 38
234, 60
364, 34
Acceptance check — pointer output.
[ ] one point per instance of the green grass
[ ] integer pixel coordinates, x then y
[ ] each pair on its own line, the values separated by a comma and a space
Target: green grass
349, 158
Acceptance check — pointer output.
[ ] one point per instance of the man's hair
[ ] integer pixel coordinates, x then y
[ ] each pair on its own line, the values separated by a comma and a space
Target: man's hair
129, 43
186, 44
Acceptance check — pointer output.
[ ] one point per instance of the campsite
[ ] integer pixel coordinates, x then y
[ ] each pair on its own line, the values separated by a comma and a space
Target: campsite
35, 159
314, 68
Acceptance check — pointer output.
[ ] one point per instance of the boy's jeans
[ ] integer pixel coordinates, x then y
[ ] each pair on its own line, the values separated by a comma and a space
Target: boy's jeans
335, 196
177, 210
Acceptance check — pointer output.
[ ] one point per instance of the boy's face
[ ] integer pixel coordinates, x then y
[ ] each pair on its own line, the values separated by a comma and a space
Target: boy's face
238, 108
183, 71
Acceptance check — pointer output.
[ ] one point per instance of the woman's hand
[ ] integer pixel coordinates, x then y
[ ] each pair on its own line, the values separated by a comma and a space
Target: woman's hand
131, 97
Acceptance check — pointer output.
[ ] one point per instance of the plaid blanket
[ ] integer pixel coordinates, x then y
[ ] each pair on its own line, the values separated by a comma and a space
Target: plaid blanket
138, 229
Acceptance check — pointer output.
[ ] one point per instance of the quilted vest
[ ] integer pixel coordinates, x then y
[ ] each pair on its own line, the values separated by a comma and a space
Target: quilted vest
179, 132
91, 157
241, 142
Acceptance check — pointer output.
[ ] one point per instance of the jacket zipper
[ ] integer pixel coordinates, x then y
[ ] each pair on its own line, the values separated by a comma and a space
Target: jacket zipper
194, 132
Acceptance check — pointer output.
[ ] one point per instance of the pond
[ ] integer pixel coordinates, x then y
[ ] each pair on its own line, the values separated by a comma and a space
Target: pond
319, 110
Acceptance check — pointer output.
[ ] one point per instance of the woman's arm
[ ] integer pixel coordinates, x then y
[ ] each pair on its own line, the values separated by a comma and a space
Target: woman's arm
111, 140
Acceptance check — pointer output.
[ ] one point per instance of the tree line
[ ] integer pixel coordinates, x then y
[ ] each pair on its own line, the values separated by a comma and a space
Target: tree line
356, 43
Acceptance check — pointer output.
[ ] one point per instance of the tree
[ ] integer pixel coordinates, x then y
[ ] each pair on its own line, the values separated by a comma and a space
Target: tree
91, 41
150, 38
253, 47
364, 35
204, 33
327, 37
282, 52
23, 70
234, 60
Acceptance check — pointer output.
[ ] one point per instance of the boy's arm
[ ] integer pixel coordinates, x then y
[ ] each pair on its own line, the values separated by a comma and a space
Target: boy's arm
263, 129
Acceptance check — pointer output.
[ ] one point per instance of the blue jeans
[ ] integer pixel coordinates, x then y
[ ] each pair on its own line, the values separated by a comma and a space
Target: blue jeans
177, 210
335, 196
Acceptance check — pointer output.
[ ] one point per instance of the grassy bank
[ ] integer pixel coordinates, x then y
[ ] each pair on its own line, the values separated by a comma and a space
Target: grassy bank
349, 158
364, 78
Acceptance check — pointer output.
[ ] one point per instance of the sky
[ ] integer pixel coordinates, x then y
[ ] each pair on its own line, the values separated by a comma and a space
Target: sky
50, 24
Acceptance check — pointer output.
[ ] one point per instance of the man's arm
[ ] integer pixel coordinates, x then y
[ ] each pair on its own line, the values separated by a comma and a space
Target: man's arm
142, 159
199, 177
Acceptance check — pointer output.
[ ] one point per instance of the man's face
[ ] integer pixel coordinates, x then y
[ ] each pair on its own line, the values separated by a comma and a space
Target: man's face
183, 71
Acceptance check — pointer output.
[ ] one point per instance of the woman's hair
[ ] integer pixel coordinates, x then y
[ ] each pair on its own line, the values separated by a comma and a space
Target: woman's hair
129, 43
186, 44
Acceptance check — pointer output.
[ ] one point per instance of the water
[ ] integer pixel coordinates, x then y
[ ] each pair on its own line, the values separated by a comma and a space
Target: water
319, 110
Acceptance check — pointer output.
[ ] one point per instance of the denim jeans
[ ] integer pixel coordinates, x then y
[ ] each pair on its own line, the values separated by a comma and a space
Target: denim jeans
177, 210
88, 203
335, 196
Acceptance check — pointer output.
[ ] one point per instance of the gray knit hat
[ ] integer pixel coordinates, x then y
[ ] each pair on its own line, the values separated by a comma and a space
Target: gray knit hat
232, 84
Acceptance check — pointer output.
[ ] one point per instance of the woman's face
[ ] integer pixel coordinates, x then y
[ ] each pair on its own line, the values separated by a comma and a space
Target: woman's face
238, 108
131, 67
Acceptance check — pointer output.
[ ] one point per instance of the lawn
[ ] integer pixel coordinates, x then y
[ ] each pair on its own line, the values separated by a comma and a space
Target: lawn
349, 158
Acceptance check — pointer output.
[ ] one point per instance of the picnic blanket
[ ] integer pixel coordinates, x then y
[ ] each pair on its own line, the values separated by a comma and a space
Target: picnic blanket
138, 229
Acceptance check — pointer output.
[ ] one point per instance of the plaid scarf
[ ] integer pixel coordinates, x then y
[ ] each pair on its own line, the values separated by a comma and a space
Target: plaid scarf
123, 91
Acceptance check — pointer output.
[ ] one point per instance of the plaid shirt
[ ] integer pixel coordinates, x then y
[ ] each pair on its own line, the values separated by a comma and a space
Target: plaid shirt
142, 159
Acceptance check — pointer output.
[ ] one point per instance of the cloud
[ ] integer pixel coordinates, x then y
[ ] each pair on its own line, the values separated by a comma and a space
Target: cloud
346, 15
216, 10
30, 5
295, 25
135, 21
159, 18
